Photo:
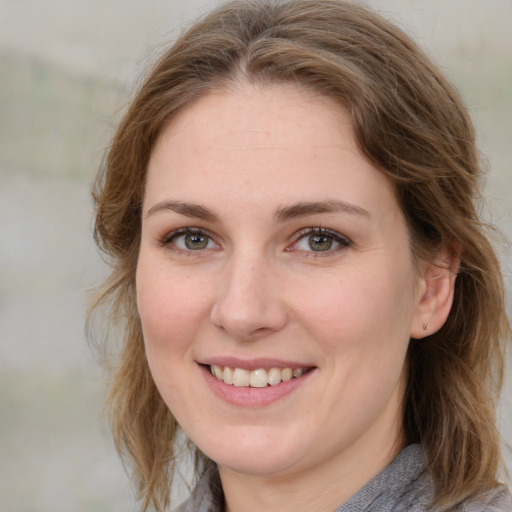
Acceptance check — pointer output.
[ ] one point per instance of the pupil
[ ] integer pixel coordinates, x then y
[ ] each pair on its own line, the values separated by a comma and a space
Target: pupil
320, 242
196, 241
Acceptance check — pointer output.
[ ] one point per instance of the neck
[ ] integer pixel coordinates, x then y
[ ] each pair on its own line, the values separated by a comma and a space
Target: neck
324, 486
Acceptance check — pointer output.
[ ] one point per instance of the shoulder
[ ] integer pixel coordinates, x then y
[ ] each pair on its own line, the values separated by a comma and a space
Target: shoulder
497, 500
403, 486
406, 486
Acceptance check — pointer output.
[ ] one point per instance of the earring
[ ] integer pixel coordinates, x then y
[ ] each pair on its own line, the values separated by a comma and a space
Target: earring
425, 326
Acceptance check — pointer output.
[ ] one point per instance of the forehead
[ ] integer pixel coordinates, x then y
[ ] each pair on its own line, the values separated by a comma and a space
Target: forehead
259, 114
256, 141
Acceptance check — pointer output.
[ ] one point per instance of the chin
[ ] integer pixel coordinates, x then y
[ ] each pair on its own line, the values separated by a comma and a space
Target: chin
246, 455
268, 466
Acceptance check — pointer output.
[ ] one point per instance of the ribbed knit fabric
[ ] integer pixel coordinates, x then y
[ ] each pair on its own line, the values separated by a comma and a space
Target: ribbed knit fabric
403, 486
207, 494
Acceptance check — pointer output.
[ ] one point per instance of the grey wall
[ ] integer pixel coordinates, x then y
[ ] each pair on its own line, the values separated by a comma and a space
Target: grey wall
67, 68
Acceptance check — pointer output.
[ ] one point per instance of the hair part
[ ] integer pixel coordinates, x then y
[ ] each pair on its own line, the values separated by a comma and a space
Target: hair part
411, 124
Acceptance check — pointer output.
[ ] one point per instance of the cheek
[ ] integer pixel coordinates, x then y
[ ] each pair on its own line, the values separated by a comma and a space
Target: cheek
170, 309
362, 312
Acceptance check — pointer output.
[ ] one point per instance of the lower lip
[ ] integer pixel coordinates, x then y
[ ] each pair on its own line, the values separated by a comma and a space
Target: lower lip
245, 396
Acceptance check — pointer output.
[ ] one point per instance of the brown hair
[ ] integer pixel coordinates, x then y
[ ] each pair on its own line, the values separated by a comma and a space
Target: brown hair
411, 124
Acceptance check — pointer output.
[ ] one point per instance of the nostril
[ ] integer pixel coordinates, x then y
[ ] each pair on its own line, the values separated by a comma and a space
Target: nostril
249, 323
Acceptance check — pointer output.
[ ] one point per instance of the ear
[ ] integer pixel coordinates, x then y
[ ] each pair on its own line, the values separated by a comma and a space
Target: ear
435, 293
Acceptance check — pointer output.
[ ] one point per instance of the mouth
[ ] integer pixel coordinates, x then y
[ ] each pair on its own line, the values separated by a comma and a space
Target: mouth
256, 383
258, 378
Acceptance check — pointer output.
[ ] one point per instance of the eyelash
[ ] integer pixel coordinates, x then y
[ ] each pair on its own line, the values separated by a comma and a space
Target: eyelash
167, 240
343, 241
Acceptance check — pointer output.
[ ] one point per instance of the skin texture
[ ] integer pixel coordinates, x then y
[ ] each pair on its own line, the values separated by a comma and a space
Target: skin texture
257, 290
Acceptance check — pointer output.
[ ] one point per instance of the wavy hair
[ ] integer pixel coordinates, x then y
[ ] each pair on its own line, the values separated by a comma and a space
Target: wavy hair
411, 124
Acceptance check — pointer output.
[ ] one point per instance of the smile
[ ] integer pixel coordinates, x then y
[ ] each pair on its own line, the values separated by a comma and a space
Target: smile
258, 378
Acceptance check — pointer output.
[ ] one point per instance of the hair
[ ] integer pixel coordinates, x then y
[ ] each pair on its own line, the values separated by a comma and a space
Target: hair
412, 125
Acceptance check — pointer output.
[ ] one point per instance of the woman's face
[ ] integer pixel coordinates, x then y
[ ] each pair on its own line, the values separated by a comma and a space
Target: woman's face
270, 247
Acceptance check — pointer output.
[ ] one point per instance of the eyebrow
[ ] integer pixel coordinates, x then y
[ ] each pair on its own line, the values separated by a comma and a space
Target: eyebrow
188, 209
282, 214
286, 213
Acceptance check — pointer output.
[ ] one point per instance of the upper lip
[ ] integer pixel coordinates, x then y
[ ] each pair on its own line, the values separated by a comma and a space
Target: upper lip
253, 364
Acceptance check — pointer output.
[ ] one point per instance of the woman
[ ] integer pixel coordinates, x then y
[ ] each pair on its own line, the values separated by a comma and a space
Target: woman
302, 281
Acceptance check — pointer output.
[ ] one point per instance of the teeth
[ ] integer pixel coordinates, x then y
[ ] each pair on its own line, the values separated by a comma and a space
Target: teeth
227, 376
274, 376
217, 371
240, 377
259, 378
286, 374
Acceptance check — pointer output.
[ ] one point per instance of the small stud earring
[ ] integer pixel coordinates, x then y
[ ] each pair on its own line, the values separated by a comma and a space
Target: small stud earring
425, 326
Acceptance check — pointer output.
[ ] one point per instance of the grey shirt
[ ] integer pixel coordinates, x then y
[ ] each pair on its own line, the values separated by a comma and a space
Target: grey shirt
403, 486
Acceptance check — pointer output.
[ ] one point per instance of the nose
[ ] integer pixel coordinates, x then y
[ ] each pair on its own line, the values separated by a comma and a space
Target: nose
248, 303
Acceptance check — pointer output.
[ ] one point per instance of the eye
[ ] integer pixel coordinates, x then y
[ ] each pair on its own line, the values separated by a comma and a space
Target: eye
190, 240
320, 240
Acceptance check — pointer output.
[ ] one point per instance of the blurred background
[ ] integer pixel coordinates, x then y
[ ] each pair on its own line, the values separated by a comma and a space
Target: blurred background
67, 71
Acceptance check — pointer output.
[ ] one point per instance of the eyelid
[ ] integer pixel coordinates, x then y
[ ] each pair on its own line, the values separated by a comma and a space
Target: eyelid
343, 240
167, 239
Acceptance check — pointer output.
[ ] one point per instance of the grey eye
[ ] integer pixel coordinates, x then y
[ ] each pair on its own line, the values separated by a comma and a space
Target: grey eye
320, 242
317, 242
196, 241
192, 241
